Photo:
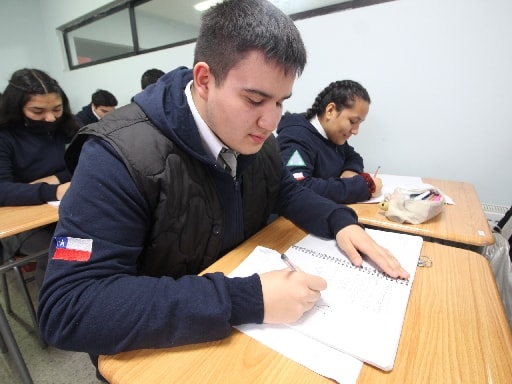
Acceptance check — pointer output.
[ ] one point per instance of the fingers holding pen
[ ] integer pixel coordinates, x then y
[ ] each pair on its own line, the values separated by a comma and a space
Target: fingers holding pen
314, 283
288, 294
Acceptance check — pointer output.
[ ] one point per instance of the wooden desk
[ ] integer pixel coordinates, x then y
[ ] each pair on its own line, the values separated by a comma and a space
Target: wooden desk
455, 331
14, 220
463, 223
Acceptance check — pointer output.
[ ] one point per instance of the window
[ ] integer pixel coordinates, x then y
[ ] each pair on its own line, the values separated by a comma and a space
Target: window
107, 37
126, 28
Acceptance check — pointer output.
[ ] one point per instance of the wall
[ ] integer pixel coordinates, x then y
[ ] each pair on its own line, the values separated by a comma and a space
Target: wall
22, 43
438, 73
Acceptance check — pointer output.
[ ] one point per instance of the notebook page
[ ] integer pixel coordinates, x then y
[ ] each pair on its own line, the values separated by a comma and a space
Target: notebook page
362, 310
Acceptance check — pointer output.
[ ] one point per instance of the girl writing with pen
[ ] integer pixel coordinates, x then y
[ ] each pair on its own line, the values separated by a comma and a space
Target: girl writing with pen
314, 145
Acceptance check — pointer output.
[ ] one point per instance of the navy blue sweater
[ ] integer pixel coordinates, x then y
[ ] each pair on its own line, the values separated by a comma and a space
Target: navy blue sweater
103, 305
26, 156
86, 116
321, 162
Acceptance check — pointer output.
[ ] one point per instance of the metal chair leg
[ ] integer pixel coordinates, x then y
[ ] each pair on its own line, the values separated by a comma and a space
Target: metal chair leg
30, 305
3, 346
5, 291
13, 349
15, 266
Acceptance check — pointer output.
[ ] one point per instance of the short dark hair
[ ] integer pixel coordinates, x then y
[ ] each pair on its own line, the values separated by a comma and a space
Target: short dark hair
25, 83
342, 93
103, 98
233, 28
150, 77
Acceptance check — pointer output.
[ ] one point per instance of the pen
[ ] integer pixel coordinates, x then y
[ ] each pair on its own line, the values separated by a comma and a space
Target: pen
376, 171
422, 196
288, 262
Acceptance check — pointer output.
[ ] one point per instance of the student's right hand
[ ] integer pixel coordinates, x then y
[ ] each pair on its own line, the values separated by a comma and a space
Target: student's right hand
287, 294
62, 189
378, 186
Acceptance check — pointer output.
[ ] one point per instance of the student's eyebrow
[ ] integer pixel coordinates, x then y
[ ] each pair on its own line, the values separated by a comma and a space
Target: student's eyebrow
36, 108
264, 94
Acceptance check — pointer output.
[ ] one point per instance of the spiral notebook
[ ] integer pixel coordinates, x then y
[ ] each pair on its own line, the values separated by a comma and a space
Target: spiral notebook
361, 312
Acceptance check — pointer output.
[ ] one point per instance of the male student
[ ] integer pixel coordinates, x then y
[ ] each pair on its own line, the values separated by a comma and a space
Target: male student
102, 102
150, 77
152, 202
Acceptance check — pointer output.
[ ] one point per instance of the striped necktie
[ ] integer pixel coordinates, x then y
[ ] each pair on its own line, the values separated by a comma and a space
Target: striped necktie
227, 158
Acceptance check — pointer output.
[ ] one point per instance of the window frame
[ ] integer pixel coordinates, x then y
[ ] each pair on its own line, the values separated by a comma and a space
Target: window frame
130, 5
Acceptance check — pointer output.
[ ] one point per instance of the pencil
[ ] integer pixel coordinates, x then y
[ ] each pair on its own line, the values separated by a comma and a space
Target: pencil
376, 171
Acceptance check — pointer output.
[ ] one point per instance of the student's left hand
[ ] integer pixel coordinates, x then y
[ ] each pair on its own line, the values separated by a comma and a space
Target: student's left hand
354, 241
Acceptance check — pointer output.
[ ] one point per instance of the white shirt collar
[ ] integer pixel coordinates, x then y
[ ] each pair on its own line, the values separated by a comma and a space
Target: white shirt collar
94, 113
210, 142
316, 123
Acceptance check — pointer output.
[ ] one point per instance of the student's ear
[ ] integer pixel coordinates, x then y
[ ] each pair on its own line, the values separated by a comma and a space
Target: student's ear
330, 109
203, 79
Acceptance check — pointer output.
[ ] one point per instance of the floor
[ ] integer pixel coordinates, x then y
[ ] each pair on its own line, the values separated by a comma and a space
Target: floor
49, 365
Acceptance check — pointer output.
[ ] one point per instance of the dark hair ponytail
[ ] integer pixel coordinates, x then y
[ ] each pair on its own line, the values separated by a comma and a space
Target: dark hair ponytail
342, 93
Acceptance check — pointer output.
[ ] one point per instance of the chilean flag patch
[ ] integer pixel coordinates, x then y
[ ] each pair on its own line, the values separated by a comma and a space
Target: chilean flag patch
298, 176
72, 249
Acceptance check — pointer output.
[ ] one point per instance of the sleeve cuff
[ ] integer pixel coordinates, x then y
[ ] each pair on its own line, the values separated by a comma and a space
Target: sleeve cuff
48, 192
246, 300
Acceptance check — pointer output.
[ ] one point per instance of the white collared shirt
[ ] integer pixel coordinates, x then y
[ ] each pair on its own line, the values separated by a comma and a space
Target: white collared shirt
316, 123
94, 113
210, 141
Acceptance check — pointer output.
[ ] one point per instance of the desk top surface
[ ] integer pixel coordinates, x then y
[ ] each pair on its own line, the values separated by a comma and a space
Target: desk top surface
464, 222
14, 220
455, 331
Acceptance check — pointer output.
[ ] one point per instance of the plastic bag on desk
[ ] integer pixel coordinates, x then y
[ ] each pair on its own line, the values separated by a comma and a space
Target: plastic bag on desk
414, 206
498, 256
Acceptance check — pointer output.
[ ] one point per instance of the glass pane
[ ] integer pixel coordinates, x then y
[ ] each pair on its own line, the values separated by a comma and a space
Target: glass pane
164, 22
161, 23
104, 38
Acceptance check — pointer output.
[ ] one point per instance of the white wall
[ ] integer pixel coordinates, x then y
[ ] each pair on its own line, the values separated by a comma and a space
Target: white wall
22, 44
438, 73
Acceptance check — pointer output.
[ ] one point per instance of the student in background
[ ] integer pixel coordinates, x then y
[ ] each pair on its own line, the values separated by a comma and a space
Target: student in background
36, 123
102, 102
150, 77
153, 203
314, 145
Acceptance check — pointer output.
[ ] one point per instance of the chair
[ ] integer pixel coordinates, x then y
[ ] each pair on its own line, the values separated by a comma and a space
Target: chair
7, 340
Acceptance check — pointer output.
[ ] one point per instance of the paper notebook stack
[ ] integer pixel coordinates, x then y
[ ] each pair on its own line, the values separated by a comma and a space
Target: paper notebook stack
361, 312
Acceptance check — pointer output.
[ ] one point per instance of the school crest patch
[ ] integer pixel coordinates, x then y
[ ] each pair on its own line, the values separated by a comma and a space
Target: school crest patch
295, 160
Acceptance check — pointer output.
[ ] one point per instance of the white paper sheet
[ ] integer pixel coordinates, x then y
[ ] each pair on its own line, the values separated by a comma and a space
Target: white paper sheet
390, 182
310, 353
